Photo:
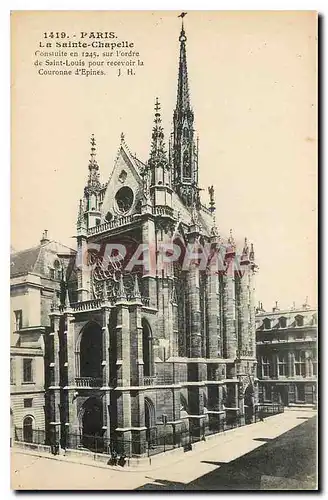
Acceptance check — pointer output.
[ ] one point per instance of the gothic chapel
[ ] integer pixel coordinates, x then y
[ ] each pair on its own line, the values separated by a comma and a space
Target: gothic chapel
138, 352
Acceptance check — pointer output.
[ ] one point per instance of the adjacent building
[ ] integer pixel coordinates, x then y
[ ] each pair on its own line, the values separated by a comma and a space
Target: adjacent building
286, 345
35, 276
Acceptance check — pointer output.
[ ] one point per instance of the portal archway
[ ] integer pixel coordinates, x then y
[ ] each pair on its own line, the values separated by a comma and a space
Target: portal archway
150, 420
92, 423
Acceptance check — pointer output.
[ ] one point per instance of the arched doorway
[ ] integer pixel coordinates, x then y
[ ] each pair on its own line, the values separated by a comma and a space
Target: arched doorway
147, 349
249, 404
91, 354
92, 423
28, 430
150, 421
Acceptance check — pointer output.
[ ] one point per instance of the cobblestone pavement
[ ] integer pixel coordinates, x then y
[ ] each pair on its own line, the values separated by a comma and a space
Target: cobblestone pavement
278, 453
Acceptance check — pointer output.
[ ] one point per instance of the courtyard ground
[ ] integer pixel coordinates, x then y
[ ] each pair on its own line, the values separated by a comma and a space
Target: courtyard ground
279, 453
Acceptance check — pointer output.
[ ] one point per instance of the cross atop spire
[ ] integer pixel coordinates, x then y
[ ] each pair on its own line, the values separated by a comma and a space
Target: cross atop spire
93, 179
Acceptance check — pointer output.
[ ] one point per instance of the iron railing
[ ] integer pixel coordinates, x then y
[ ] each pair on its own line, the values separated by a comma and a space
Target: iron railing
158, 439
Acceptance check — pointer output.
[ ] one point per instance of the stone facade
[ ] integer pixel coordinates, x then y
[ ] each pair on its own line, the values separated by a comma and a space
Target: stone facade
286, 343
152, 344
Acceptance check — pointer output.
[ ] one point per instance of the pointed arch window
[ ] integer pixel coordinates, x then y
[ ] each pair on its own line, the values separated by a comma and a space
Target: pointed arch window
186, 165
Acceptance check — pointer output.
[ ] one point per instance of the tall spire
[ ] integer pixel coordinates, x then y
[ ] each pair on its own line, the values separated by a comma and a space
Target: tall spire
185, 163
93, 179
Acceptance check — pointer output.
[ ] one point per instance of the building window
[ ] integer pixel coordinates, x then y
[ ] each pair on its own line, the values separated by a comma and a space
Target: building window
57, 270
27, 370
314, 367
147, 349
300, 393
18, 319
299, 320
98, 222
299, 363
282, 322
28, 430
12, 368
267, 324
52, 273
265, 366
28, 403
282, 365
267, 392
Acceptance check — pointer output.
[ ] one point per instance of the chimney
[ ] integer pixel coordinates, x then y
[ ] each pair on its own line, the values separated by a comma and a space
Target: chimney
44, 238
276, 308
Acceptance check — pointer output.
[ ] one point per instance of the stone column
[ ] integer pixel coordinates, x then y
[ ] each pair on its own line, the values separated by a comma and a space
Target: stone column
229, 312
106, 371
54, 384
149, 275
82, 267
307, 365
195, 337
123, 365
291, 369
106, 346
310, 367
175, 322
136, 340
252, 325
244, 340
213, 312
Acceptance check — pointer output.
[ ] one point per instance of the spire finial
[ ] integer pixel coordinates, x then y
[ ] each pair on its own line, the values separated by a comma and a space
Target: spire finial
80, 215
67, 303
136, 291
55, 302
212, 201
157, 150
93, 148
182, 37
121, 289
251, 253
122, 138
245, 249
93, 180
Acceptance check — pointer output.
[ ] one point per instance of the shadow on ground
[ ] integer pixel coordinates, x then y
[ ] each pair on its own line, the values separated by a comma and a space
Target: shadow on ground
286, 462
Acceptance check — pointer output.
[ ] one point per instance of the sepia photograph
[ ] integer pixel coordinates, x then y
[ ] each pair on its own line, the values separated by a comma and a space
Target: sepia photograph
163, 260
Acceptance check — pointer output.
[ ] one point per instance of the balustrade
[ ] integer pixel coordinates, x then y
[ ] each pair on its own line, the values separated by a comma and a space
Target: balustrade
88, 382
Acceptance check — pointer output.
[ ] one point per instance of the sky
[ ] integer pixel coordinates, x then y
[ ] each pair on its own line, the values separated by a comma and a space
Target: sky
252, 78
